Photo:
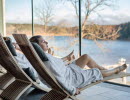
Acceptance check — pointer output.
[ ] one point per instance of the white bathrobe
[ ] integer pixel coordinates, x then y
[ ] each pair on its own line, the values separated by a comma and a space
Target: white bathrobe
69, 76
24, 63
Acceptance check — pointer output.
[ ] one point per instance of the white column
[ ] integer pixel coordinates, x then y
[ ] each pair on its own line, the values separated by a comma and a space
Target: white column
124, 78
2, 18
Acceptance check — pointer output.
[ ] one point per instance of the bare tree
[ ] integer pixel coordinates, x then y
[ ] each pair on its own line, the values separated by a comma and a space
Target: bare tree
100, 32
93, 6
90, 6
44, 12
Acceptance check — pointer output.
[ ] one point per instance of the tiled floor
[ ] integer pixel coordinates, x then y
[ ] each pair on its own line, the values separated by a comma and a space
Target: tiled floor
103, 91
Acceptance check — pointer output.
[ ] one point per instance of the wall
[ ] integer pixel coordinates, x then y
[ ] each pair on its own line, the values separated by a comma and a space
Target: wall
2, 18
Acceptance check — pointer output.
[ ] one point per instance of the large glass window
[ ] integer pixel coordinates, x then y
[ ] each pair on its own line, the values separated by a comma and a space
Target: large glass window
105, 27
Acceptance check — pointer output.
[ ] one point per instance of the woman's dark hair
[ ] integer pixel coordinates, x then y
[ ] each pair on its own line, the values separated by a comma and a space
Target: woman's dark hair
35, 39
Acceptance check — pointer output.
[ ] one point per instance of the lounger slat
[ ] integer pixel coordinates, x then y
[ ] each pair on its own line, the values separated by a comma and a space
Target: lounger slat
15, 90
6, 80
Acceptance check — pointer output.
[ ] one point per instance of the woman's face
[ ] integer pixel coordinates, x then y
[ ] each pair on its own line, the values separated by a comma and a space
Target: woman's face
43, 44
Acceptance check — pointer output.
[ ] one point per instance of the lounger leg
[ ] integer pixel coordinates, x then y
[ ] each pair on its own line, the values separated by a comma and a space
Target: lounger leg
15, 90
54, 95
6, 80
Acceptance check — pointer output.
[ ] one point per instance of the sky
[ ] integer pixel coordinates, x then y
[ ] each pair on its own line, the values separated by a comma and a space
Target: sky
19, 11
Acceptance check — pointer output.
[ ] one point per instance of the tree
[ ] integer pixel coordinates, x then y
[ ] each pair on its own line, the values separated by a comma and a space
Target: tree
44, 12
89, 7
100, 32
125, 31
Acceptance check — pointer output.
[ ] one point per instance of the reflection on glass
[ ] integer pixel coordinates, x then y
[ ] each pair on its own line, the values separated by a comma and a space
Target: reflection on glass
57, 22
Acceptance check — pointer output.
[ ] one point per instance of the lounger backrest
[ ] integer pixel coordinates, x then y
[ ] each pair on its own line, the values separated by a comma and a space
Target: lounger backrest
9, 63
37, 63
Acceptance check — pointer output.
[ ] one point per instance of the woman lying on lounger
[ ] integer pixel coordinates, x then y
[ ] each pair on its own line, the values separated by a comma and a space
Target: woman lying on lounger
73, 74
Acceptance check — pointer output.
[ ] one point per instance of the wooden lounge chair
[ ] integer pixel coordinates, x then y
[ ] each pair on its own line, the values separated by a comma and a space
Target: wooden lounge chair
57, 92
22, 80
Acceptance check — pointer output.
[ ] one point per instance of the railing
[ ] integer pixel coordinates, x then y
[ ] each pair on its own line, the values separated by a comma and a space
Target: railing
121, 62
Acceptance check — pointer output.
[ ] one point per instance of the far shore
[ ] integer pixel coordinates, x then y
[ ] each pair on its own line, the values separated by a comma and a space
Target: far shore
52, 34
43, 34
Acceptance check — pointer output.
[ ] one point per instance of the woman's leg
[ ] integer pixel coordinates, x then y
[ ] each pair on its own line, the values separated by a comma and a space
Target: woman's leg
86, 60
106, 73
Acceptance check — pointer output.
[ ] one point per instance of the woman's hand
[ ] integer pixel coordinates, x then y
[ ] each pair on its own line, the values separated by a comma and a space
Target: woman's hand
77, 91
50, 51
71, 56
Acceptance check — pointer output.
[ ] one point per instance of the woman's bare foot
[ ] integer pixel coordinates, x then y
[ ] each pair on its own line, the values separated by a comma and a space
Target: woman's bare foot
121, 68
116, 70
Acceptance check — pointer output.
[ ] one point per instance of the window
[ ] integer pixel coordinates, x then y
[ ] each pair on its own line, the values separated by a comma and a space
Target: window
18, 16
57, 22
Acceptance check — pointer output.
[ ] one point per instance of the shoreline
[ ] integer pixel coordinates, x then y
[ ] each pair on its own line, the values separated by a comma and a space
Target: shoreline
71, 35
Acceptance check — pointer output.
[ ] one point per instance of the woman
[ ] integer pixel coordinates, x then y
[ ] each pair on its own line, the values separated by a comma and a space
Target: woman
73, 76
